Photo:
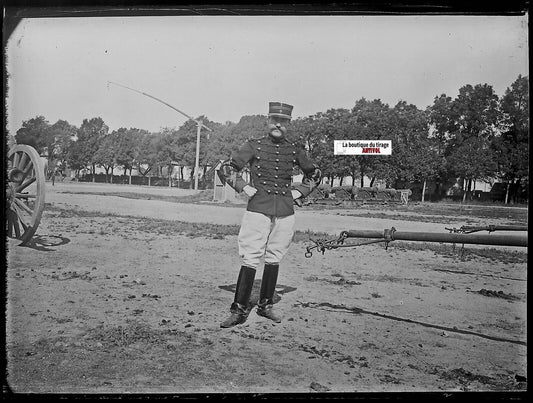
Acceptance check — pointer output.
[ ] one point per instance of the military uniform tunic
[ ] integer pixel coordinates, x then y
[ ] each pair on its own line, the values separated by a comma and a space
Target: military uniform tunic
271, 167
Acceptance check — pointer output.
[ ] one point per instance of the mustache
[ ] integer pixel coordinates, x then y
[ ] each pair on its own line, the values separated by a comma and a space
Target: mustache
273, 127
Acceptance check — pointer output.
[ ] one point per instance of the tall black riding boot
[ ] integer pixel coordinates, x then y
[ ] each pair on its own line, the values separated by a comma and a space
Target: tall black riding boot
266, 295
239, 309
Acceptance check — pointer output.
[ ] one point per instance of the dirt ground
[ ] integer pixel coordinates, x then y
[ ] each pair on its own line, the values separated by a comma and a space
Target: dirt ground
122, 290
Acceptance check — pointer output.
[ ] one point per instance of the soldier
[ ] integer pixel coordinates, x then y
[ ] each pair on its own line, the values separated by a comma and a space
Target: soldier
267, 226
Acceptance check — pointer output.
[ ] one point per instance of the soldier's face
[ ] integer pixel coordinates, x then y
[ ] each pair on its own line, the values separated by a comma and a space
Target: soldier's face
278, 126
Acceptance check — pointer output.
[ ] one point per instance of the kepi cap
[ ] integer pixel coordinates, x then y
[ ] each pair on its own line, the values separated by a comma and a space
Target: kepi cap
280, 110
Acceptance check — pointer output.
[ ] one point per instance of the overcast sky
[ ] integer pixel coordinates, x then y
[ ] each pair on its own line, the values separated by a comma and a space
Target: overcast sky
226, 67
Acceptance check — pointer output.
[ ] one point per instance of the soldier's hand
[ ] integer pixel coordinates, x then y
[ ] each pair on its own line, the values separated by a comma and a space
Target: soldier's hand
316, 175
249, 190
295, 194
297, 197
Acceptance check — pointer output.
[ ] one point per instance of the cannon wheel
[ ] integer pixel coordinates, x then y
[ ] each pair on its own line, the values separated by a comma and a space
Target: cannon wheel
25, 192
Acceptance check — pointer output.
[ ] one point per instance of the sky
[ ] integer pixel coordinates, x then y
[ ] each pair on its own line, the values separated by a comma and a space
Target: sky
226, 67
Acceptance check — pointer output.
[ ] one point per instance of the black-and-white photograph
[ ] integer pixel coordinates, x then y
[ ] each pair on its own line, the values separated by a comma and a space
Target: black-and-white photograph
244, 202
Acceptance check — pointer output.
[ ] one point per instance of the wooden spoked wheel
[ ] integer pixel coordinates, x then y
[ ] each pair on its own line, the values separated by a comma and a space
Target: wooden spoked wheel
25, 191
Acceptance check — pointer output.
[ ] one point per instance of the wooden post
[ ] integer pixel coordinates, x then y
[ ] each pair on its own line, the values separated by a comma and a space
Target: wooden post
197, 163
507, 192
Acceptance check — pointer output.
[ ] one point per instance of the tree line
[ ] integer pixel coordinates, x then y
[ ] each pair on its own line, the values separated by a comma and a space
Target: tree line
475, 136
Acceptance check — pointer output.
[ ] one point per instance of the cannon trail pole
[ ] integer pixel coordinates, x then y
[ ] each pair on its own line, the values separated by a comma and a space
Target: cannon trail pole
465, 229
389, 235
199, 125
500, 240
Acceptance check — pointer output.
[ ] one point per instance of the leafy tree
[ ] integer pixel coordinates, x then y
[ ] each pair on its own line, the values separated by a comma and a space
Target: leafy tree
76, 158
249, 126
62, 134
335, 124
184, 147
147, 157
231, 136
106, 155
34, 132
512, 146
221, 142
173, 146
476, 115
165, 150
440, 118
476, 111
471, 159
128, 148
90, 136
441, 129
370, 123
208, 155
304, 132
464, 128
227, 138
310, 134
415, 156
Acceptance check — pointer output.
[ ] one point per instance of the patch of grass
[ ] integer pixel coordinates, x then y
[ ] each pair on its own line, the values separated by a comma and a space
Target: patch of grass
132, 332
203, 196
192, 230
414, 217
340, 281
58, 212
464, 377
153, 225
434, 212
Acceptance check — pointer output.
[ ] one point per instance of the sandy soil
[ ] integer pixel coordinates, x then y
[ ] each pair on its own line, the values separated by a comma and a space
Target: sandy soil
123, 295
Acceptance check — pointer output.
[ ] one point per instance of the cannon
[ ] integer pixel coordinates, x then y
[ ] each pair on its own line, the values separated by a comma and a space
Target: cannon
459, 236
25, 190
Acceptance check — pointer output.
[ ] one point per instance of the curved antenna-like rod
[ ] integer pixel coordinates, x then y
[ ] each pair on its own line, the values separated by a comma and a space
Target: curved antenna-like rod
163, 102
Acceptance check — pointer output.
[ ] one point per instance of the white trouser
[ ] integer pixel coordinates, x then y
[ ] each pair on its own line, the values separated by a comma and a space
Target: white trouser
262, 235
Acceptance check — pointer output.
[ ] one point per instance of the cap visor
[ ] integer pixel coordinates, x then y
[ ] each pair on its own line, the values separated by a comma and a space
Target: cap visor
280, 115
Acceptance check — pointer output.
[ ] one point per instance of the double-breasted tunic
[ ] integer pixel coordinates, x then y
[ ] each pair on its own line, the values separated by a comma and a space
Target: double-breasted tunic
271, 168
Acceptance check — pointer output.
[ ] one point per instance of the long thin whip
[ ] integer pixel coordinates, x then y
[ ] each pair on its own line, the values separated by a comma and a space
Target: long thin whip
163, 102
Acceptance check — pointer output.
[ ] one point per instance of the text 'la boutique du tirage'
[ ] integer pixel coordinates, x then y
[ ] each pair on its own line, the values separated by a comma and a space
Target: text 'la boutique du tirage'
362, 147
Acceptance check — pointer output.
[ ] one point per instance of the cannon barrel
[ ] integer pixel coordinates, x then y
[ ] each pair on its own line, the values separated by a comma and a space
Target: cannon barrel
481, 239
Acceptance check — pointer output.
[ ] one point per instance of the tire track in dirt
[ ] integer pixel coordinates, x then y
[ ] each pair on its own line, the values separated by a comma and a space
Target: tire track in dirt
358, 311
